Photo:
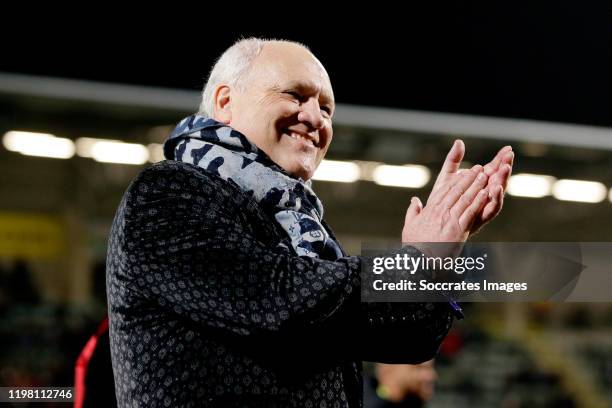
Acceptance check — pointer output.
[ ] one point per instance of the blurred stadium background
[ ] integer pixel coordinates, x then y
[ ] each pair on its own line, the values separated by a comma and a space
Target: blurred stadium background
70, 146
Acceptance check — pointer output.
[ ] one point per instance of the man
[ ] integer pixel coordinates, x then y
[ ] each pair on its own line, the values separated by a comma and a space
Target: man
225, 285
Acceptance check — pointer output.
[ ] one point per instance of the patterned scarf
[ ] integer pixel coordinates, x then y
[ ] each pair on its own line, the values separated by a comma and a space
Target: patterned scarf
228, 154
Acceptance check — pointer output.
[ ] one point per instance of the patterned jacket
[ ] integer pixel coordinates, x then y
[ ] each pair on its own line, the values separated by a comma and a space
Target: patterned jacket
206, 309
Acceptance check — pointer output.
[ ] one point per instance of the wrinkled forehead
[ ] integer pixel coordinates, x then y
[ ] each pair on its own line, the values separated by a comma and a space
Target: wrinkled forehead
281, 65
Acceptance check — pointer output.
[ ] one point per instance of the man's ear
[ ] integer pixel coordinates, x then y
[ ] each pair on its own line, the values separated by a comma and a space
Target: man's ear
223, 106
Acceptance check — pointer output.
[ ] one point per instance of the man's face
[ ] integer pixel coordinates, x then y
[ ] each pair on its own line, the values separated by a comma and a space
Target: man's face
285, 108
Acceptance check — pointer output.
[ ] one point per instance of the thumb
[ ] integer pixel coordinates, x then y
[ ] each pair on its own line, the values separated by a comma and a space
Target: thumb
415, 208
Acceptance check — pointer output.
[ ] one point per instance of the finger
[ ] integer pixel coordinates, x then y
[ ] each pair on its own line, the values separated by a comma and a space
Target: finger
505, 173
505, 168
454, 157
493, 165
470, 194
493, 207
460, 187
452, 161
438, 195
470, 214
500, 178
414, 208
508, 158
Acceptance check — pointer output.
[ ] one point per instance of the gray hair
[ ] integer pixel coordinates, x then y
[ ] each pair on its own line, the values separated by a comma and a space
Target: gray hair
232, 67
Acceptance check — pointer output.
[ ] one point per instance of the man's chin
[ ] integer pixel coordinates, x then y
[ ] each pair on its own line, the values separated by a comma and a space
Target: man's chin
302, 165
303, 172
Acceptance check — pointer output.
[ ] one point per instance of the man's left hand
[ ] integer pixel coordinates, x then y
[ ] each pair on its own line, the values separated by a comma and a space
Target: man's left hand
498, 172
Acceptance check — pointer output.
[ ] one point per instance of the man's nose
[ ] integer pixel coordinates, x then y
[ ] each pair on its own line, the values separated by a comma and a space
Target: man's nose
310, 113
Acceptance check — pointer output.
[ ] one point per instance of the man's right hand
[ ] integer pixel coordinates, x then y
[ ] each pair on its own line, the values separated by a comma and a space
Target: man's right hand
452, 207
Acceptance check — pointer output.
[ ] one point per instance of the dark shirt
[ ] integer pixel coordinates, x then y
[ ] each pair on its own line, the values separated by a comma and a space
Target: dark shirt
206, 309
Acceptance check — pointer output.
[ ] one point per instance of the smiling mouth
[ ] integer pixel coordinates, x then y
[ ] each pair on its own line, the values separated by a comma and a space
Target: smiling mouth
300, 137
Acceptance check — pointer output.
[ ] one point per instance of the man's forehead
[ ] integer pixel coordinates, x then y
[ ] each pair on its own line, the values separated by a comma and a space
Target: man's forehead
308, 86
290, 65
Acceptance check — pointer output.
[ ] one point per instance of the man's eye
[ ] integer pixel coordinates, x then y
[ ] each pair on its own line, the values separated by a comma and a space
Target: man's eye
294, 95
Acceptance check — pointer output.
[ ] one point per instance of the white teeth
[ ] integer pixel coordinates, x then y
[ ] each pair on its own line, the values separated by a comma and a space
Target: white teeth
300, 137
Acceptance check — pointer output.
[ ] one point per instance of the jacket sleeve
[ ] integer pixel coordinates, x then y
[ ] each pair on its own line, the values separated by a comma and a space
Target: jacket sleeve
193, 257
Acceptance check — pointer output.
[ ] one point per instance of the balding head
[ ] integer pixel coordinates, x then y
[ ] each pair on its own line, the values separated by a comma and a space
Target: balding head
236, 63
279, 96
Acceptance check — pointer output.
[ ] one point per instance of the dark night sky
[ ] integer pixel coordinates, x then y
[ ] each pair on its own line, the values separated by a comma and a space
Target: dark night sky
549, 62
